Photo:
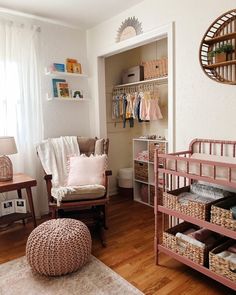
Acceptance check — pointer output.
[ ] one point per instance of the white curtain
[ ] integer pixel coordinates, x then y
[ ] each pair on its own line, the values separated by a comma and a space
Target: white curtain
20, 102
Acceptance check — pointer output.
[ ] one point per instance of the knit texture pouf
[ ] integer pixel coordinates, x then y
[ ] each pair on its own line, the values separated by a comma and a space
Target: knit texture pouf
58, 246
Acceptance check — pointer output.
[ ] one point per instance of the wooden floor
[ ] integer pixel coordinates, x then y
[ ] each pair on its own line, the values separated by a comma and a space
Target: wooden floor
130, 253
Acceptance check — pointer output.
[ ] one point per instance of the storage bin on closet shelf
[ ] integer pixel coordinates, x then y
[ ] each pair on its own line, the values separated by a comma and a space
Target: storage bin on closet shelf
125, 178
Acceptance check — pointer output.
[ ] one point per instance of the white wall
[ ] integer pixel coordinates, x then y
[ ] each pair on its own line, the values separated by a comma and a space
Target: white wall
64, 118
203, 107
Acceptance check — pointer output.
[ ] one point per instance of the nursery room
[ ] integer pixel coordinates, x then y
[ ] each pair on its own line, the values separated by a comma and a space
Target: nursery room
117, 147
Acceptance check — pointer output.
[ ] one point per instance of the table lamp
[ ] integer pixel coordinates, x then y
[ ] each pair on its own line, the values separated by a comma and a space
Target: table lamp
7, 147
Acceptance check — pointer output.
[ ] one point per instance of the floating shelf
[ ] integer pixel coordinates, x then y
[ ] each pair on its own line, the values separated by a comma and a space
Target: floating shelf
162, 80
220, 38
220, 64
68, 99
64, 74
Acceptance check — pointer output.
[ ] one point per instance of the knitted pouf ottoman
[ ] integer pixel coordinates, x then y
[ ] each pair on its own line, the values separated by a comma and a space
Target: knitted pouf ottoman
58, 246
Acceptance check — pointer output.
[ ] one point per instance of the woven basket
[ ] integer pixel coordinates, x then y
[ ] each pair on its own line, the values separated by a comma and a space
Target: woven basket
221, 266
196, 254
221, 214
193, 208
155, 68
161, 149
141, 171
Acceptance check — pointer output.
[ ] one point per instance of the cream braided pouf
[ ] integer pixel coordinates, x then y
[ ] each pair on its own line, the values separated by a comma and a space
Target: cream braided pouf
58, 246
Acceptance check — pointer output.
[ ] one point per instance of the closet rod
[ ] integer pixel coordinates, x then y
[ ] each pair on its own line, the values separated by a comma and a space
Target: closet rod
161, 80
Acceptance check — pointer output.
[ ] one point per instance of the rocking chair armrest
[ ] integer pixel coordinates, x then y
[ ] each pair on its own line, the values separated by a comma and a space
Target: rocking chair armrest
108, 172
48, 179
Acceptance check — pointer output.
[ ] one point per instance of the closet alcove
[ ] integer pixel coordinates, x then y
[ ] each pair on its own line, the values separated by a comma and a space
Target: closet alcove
121, 139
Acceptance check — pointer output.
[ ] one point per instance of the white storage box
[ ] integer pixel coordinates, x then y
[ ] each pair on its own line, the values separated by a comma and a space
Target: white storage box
134, 74
125, 178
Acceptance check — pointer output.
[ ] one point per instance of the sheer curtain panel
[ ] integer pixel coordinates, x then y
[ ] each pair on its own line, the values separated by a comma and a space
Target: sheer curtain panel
20, 100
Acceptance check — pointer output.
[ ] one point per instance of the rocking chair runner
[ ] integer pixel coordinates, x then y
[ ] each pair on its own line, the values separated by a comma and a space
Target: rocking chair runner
91, 206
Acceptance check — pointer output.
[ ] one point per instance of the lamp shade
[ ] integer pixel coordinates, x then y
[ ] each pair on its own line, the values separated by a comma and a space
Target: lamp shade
7, 145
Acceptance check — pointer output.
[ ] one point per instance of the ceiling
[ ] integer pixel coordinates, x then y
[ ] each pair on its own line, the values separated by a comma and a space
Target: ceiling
81, 13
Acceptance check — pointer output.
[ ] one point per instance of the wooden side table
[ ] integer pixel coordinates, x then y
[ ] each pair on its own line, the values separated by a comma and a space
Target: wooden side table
20, 181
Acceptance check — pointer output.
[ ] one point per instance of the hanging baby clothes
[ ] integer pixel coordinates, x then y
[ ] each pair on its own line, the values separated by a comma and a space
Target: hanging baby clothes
140, 102
149, 106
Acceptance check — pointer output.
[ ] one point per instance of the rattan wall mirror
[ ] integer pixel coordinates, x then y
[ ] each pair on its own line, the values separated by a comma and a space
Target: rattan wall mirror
217, 51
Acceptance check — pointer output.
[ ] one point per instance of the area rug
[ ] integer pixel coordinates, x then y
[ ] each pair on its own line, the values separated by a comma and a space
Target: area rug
95, 278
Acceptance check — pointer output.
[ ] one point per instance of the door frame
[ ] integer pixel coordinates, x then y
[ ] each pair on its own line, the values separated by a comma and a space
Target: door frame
166, 31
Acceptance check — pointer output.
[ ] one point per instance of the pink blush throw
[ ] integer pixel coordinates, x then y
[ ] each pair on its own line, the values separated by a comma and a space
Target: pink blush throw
86, 170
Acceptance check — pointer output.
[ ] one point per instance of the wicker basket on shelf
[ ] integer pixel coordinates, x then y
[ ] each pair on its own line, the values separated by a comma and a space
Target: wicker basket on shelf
155, 68
161, 146
193, 208
196, 254
222, 215
220, 265
141, 171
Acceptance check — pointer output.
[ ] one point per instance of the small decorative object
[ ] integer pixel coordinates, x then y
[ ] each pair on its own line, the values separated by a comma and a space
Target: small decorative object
222, 53
63, 90
70, 62
77, 94
20, 206
7, 147
8, 207
64, 244
129, 28
217, 50
59, 67
77, 68
54, 85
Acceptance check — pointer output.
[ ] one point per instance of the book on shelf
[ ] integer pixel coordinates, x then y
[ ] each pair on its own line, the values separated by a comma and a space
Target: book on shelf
77, 68
59, 67
70, 62
63, 90
54, 85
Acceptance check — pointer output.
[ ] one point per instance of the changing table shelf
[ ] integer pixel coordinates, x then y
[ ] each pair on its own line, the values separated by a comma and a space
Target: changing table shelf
202, 223
198, 267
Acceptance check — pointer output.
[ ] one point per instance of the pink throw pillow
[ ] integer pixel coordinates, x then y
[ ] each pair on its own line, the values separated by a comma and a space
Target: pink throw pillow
86, 170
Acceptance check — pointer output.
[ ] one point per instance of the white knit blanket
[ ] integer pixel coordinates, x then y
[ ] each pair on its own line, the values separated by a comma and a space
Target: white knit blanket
54, 154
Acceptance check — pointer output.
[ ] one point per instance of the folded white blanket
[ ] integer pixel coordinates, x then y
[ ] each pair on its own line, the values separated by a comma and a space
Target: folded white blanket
229, 256
54, 154
189, 240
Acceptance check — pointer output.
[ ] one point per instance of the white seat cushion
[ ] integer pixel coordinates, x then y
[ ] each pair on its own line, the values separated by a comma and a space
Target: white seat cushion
86, 192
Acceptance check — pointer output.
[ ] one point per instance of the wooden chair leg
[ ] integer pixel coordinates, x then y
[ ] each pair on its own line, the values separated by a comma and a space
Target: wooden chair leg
53, 213
103, 236
105, 216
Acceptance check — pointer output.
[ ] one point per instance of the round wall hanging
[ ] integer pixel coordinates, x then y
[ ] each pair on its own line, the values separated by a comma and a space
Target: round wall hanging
217, 50
129, 28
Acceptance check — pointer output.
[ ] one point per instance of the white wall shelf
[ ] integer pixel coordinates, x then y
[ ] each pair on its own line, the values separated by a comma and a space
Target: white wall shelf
68, 99
64, 74
162, 80
80, 79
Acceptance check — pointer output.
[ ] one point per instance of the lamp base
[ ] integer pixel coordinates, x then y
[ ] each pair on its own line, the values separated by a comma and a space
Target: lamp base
6, 170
